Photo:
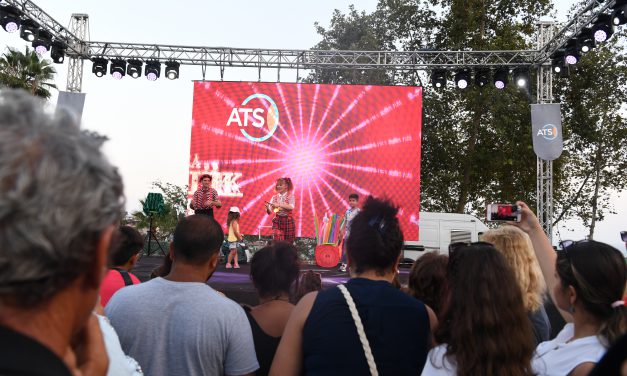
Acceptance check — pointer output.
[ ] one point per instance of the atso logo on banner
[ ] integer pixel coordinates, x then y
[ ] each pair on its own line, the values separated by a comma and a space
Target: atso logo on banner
548, 132
256, 117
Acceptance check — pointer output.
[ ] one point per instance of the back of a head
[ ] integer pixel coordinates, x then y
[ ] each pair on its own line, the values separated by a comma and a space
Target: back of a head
516, 246
273, 269
427, 279
598, 273
196, 238
376, 238
308, 281
126, 244
58, 192
474, 305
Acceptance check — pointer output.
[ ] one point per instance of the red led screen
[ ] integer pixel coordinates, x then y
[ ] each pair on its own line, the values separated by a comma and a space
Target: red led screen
331, 140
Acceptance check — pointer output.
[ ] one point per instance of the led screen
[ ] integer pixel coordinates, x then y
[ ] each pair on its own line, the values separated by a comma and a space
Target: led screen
331, 140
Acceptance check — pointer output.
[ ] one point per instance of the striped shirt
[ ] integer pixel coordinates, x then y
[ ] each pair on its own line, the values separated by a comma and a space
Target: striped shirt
283, 198
202, 195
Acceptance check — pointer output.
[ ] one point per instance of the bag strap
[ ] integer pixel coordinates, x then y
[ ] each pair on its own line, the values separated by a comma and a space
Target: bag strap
127, 278
360, 330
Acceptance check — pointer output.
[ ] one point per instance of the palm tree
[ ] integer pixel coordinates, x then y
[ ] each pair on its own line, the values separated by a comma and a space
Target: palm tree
26, 71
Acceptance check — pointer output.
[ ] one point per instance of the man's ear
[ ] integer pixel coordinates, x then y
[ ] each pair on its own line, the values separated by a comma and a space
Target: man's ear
99, 266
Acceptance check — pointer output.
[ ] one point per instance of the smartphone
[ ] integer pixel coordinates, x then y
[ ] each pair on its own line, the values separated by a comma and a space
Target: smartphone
503, 212
623, 236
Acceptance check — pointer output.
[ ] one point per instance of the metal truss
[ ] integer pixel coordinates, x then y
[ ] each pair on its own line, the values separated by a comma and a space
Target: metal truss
80, 27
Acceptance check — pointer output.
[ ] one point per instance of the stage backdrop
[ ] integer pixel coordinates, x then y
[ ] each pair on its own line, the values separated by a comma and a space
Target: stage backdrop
331, 140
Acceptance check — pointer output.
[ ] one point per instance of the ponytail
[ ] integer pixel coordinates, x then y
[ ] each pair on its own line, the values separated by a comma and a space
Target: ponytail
616, 325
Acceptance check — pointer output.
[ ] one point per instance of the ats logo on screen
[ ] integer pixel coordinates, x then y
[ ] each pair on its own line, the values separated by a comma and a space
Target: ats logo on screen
257, 117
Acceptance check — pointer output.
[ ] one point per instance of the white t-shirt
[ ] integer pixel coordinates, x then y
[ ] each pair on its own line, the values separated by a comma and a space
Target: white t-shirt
559, 357
119, 363
182, 328
439, 365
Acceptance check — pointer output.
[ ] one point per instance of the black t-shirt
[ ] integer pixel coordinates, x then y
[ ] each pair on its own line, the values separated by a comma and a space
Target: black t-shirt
21, 355
265, 345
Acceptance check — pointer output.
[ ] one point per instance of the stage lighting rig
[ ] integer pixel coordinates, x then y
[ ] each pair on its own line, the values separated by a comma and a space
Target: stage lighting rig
42, 42
172, 70
99, 67
134, 68
482, 77
619, 15
438, 78
29, 30
462, 78
500, 77
117, 68
152, 71
603, 28
586, 40
9, 18
571, 54
521, 77
557, 61
57, 53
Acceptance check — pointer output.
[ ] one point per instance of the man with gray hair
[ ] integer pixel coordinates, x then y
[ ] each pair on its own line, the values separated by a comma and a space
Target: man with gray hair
60, 202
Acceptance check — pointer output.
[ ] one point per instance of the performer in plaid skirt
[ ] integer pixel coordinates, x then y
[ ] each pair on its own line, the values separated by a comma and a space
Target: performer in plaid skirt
282, 204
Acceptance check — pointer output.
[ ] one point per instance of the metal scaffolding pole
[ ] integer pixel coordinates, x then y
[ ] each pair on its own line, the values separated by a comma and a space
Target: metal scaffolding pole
544, 94
79, 26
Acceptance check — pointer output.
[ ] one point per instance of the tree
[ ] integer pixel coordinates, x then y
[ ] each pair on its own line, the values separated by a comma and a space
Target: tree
593, 101
27, 71
175, 204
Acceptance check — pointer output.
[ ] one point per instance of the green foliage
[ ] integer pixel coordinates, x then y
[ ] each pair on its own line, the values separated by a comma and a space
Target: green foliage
27, 71
175, 203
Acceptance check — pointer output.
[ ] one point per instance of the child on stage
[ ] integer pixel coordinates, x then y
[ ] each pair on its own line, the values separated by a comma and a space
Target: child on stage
353, 202
232, 222
282, 204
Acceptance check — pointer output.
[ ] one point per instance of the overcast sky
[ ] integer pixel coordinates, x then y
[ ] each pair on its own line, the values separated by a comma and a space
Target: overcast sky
148, 123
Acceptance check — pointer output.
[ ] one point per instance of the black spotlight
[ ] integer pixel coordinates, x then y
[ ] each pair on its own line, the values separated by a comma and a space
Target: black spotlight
134, 68
521, 77
152, 70
99, 67
586, 40
172, 70
9, 18
462, 78
501, 77
42, 42
571, 54
603, 28
619, 15
117, 68
29, 30
438, 78
57, 53
482, 77
557, 61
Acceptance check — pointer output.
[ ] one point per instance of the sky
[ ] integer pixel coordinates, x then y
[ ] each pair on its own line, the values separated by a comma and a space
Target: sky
148, 123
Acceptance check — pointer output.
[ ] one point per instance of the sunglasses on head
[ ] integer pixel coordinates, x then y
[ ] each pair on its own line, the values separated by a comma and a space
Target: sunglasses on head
453, 247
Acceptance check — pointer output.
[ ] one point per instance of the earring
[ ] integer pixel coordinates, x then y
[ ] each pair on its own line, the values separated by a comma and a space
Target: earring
571, 309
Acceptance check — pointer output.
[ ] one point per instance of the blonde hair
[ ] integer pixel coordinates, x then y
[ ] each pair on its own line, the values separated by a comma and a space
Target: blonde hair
516, 246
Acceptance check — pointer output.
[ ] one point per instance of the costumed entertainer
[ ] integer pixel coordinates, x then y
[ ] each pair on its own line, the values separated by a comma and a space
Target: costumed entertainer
282, 204
205, 198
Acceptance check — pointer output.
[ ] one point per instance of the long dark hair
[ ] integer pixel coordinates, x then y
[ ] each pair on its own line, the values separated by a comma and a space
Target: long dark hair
427, 280
597, 271
231, 217
484, 323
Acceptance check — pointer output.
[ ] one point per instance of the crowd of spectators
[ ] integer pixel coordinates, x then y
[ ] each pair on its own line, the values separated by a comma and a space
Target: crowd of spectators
477, 311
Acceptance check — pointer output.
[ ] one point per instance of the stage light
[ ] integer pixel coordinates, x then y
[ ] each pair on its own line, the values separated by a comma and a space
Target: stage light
521, 77
134, 68
152, 70
117, 68
42, 42
571, 54
500, 78
586, 40
9, 18
462, 78
482, 77
99, 67
619, 15
603, 28
557, 61
172, 70
57, 53
29, 30
438, 78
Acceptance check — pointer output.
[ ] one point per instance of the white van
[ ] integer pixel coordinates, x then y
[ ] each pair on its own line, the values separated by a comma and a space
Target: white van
438, 230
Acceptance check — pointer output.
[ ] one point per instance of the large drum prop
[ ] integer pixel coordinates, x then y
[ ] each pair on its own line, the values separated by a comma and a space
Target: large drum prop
327, 255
